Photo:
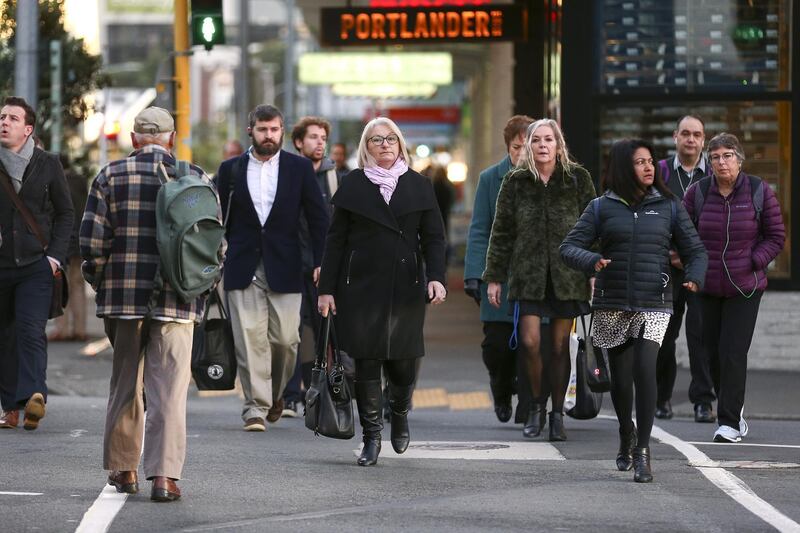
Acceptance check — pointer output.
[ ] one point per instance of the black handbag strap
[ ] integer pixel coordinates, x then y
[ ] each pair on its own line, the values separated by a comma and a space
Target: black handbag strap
587, 332
327, 335
23, 209
215, 298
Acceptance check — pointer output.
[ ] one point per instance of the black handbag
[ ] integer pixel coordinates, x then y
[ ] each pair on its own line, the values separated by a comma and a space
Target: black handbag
598, 375
213, 352
329, 408
587, 403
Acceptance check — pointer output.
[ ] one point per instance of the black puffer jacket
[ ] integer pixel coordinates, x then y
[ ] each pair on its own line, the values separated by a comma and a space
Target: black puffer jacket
637, 240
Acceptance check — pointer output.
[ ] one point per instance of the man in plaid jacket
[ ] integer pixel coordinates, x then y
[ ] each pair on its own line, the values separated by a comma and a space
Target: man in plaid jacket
120, 259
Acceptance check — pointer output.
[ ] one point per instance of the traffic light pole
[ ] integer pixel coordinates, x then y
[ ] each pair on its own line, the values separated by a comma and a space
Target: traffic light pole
183, 149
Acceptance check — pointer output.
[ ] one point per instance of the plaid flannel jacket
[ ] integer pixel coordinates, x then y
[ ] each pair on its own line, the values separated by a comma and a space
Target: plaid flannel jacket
118, 238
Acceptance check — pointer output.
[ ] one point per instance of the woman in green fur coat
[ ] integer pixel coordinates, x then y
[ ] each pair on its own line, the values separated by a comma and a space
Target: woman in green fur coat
538, 204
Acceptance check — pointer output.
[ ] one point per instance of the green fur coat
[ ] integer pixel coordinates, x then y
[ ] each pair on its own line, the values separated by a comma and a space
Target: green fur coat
530, 222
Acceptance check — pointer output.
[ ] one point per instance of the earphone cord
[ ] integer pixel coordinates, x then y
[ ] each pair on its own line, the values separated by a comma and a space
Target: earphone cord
724, 264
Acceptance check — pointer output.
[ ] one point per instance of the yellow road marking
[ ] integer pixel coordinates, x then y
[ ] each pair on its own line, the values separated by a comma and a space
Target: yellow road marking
439, 397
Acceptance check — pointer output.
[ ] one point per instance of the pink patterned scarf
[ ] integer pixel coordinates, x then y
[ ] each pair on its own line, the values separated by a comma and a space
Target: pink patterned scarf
386, 179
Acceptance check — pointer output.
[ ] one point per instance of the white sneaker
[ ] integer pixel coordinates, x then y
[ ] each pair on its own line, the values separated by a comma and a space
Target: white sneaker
743, 427
727, 434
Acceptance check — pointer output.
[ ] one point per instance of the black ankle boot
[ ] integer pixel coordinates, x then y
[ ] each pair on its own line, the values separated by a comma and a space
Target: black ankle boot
533, 426
400, 402
369, 398
557, 427
627, 441
641, 465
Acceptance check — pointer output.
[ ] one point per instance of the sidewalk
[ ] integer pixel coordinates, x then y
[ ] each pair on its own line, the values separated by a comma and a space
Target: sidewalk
453, 333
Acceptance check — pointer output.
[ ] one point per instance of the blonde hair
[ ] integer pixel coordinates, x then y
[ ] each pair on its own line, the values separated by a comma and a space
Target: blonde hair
526, 162
364, 157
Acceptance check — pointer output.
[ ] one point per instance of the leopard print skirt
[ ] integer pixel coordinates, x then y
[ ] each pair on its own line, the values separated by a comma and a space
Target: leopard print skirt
612, 327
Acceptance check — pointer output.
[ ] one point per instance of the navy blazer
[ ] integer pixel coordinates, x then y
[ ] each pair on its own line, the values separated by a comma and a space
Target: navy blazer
276, 243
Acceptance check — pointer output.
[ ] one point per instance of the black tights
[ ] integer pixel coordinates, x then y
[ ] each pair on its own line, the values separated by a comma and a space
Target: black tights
399, 372
530, 343
635, 363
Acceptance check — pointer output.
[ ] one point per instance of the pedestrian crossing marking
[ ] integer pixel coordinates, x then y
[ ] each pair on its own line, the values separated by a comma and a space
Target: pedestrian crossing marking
477, 451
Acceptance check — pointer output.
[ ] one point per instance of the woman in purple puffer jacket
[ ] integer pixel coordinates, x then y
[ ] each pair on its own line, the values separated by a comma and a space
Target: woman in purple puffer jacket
740, 244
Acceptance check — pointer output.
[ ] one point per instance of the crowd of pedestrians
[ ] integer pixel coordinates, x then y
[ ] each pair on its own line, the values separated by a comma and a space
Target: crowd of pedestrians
306, 237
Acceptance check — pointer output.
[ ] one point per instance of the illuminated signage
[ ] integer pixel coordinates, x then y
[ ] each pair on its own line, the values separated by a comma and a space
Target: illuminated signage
322, 68
422, 25
385, 90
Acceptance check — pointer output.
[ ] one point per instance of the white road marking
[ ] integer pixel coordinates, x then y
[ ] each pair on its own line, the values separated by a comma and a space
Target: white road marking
476, 451
737, 444
102, 512
746, 464
75, 433
730, 484
12, 493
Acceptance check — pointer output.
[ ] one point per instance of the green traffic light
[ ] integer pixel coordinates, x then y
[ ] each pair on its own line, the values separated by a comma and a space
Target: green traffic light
209, 29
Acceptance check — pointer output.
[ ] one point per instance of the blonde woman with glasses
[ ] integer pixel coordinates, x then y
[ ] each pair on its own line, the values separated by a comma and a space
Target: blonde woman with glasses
538, 204
384, 257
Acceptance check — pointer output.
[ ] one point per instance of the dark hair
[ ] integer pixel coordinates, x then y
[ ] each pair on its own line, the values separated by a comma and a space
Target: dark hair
620, 175
300, 129
684, 117
343, 145
264, 113
30, 113
516, 125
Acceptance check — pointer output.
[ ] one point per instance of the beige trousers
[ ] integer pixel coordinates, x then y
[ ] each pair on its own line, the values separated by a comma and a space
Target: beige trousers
164, 370
266, 333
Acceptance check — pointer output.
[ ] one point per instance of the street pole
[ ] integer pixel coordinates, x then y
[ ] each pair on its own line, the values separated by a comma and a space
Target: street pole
243, 96
27, 37
55, 96
183, 149
288, 66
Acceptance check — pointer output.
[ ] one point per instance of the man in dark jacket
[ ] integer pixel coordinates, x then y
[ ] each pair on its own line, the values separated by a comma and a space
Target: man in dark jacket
686, 167
310, 138
263, 267
500, 360
26, 266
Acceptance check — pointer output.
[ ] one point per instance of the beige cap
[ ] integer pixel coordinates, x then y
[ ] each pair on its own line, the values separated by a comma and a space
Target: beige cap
153, 120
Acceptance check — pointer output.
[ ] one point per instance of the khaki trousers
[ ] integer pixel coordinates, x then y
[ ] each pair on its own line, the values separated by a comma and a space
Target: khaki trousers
165, 371
266, 327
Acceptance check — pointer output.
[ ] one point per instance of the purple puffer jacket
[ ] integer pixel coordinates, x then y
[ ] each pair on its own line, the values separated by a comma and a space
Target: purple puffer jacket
748, 253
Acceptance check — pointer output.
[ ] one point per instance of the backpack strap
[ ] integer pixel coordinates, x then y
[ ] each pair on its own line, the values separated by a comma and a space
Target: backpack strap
182, 168
664, 170
700, 197
757, 193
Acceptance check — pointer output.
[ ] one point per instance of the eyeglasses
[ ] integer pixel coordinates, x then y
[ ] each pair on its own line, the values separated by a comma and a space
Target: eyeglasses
642, 162
726, 157
378, 140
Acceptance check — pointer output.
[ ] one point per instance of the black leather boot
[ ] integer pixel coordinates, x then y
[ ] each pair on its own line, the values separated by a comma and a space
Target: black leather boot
400, 402
627, 441
557, 427
369, 398
641, 465
534, 425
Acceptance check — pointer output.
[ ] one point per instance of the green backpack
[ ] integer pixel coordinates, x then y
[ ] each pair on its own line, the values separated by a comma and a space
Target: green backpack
188, 233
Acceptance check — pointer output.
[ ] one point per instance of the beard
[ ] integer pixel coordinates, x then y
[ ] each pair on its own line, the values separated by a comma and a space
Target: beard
268, 147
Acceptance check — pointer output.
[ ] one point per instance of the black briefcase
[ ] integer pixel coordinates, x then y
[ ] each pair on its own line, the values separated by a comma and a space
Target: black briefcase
213, 352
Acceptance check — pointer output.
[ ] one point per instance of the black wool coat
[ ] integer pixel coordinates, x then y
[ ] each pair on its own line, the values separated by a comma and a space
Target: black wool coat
378, 260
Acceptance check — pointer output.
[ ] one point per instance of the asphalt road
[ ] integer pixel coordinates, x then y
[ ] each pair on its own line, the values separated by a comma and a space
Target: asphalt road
289, 480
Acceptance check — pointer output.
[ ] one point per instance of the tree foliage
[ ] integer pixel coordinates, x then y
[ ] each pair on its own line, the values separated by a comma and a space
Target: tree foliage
81, 70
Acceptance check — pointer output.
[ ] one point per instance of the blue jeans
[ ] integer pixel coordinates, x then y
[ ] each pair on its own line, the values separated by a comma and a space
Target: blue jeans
25, 294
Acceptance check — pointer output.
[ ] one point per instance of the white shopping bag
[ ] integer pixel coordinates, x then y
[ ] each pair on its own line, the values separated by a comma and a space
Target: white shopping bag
569, 399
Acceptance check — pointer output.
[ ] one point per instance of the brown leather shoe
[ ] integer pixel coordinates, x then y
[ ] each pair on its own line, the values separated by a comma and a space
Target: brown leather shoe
254, 424
275, 412
34, 411
164, 490
124, 480
9, 419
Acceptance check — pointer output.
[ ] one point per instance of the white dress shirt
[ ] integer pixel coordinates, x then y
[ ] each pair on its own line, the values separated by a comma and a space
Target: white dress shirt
262, 180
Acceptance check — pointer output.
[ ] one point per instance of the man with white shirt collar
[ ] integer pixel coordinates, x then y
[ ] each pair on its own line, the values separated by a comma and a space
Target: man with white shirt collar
265, 190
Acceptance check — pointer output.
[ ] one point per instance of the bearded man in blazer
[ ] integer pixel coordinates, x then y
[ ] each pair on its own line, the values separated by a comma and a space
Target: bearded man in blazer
264, 191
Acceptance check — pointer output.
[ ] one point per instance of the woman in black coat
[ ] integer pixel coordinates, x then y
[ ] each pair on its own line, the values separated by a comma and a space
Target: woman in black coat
636, 222
384, 255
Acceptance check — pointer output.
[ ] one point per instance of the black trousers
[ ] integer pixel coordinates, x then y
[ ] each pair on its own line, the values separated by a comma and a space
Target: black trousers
25, 294
701, 389
728, 325
506, 368
399, 372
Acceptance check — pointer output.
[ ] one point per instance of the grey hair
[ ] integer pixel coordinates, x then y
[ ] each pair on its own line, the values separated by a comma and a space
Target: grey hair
153, 138
729, 141
364, 157
527, 162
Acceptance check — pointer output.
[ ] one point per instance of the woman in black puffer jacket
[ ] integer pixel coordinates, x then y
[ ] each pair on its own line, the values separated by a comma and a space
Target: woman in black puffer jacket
636, 221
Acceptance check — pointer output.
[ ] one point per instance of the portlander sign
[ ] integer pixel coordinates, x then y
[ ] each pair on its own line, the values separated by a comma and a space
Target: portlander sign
423, 25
